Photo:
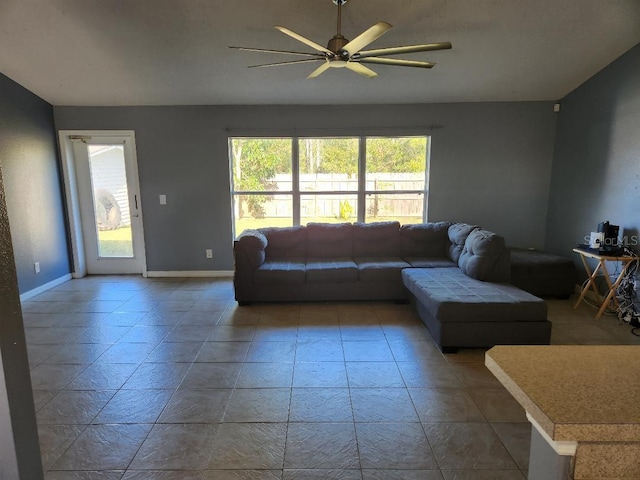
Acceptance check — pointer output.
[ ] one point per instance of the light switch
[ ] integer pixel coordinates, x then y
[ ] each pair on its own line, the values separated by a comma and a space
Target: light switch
163, 199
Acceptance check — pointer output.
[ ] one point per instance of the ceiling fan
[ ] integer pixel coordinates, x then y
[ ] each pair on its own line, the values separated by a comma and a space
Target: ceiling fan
342, 53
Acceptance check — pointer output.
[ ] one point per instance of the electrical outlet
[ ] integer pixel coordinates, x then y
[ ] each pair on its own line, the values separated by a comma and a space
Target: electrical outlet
209, 253
36, 267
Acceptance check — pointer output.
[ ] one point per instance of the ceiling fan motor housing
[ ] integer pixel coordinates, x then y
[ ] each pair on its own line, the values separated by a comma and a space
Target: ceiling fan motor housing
336, 44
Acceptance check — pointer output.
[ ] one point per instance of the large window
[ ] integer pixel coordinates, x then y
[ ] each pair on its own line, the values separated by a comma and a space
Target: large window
294, 181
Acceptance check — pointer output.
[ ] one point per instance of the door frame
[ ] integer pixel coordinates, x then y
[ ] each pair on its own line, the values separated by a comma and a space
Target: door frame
72, 196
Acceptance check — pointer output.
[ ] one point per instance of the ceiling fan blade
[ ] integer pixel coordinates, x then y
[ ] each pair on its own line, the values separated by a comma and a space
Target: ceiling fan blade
366, 37
319, 70
361, 69
393, 61
286, 52
304, 40
399, 50
275, 64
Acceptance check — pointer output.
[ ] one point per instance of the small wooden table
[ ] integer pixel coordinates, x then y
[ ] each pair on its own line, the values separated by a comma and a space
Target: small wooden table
626, 262
582, 402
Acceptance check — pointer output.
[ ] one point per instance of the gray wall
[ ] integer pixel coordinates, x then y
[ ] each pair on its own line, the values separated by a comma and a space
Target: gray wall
490, 165
596, 170
29, 163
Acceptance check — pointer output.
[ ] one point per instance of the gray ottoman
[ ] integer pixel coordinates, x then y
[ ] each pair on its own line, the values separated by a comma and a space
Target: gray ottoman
542, 274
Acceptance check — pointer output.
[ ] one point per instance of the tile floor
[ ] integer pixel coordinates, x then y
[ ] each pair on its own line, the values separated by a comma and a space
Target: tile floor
169, 379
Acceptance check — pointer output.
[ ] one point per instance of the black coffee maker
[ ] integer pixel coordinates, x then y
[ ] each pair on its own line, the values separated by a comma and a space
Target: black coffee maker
610, 242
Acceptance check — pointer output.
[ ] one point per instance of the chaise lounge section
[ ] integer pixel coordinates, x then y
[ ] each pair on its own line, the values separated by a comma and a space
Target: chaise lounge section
457, 276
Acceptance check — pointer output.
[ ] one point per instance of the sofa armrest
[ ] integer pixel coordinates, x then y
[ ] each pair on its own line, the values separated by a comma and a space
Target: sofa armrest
249, 250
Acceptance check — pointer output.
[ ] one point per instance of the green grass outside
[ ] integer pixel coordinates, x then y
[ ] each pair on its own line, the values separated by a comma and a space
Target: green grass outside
115, 243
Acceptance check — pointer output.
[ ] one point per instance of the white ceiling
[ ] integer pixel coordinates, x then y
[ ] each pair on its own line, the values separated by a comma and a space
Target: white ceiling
174, 52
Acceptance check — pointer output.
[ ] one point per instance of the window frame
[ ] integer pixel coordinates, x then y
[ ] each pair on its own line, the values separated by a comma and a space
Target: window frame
361, 193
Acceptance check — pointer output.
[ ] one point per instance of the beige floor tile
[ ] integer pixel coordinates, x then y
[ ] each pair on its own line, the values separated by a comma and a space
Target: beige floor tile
176, 447
394, 446
54, 440
265, 375
483, 475
445, 405
320, 405
103, 376
258, 405
321, 445
74, 407
319, 351
497, 405
374, 374
134, 406
196, 406
246, 446
223, 352
401, 475
103, 447
211, 375
468, 446
436, 374
157, 375
320, 374
382, 405
242, 475
321, 474
516, 437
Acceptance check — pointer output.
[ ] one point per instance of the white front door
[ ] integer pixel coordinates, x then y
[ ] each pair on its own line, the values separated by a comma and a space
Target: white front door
109, 203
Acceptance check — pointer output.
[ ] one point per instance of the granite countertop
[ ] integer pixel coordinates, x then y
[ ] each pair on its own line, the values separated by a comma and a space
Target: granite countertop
574, 392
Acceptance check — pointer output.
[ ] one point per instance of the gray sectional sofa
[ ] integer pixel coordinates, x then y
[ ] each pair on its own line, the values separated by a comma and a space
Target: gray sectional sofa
455, 274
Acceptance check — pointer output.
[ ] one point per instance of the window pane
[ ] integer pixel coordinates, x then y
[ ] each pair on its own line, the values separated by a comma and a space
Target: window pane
328, 208
396, 163
261, 164
403, 207
328, 164
257, 211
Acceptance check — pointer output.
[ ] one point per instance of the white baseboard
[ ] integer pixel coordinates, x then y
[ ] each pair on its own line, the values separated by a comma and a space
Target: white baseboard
191, 273
43, 288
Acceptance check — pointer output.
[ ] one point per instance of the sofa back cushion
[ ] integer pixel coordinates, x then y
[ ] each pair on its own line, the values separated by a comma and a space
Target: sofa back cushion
329, 240
285, 242
458, 233
424, 239
379, 239
483, 256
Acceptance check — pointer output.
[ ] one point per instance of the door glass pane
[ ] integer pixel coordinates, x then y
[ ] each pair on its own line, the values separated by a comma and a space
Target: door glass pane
396, 163
258, 211
328, 164
328, 208
403, 207
111, 201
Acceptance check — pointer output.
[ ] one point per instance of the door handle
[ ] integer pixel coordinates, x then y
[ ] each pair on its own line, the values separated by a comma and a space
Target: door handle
135, 200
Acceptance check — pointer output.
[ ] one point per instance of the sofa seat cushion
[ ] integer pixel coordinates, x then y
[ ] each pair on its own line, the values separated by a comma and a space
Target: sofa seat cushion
451, 296
285, 271
430, 262
380, 269
335, 270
